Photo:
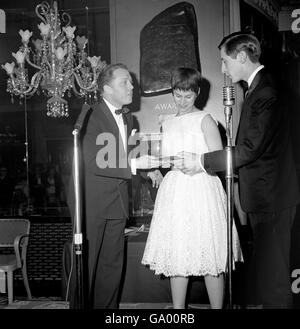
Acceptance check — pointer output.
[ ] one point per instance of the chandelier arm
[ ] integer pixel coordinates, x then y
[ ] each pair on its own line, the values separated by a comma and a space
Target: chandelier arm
93, 87
46, 61
30, 62
48, 64
32, 92
35, 80
18, 91
44, 6
55, 16
89, 88
56, 24
32, 87
52, 55
79, 66
27, 57
66, 18
76, 92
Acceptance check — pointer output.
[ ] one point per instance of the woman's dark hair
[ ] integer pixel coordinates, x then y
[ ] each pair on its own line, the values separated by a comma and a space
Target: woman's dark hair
186, 78
106, 76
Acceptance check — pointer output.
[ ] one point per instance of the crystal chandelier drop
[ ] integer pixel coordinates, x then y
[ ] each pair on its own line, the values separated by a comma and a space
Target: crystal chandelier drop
61, 64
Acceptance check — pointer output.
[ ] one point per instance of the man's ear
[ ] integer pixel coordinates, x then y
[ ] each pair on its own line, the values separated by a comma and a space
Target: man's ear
107, 89
242, 56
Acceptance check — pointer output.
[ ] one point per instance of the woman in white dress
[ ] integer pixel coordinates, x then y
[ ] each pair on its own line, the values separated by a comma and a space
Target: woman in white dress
188, 235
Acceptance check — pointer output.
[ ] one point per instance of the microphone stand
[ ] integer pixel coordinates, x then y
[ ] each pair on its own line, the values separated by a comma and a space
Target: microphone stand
77, 239
77, 222
229, 190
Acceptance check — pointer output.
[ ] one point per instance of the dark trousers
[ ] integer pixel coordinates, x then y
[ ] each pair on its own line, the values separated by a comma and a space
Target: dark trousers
268, 275
105, 262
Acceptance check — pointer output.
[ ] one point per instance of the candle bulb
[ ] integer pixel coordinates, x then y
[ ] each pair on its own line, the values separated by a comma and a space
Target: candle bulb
19, 56
9, 67
25, 35
69, 30
60, 53
44, 28
81, 42
94, 60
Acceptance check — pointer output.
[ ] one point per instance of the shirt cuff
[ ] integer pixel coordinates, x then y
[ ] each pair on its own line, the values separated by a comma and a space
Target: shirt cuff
133, 166
200, 161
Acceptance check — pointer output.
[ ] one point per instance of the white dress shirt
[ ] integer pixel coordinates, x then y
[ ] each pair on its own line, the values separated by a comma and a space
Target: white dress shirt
252, 76
120, 122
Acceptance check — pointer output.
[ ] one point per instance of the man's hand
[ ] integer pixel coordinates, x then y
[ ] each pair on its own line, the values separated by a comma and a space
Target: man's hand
189, 163
156, 177
147, 162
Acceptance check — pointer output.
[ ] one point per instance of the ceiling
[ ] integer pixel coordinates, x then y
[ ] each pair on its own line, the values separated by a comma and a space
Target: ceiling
62, 4
66, 4
287, 3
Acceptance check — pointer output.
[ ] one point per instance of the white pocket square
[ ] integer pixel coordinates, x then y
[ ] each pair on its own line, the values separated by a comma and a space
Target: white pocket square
133, 131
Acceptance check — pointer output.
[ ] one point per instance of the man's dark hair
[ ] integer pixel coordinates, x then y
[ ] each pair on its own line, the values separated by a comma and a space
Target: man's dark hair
106, 76
238, 41
185, 78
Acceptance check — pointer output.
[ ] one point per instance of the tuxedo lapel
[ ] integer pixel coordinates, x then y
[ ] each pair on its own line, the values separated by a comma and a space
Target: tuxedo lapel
250, 92
127, 124
106, 111
255, 82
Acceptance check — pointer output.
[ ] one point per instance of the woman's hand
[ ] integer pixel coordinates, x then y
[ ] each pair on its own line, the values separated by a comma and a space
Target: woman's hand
189, 163
156, 177
147, 162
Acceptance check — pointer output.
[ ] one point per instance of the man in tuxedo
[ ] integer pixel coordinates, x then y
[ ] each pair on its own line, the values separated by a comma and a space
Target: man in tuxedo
106, 174
264, 161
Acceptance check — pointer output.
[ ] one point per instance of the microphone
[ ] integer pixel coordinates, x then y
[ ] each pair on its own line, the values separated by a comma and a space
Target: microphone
228, 101
81, 117
228, 96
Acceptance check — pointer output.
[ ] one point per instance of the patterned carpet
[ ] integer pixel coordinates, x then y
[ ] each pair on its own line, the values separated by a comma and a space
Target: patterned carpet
35, 303
57, 303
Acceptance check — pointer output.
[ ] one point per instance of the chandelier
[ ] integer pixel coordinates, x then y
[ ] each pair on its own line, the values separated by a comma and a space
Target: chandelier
59, 63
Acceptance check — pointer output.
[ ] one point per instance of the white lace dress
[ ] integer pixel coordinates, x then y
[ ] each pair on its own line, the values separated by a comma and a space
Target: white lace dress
188, 232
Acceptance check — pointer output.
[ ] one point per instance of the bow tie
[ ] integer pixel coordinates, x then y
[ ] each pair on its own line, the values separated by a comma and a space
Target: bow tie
122, 111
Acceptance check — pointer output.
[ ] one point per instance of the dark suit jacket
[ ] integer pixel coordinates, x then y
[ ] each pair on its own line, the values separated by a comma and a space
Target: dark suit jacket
105, 190
263, 154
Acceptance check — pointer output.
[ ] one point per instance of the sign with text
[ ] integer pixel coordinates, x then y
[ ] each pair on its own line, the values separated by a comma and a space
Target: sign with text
267, 8
289, 20
295, 26
2, 21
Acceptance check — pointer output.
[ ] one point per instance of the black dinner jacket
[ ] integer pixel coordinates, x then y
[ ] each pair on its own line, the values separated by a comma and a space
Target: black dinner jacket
263, 153
105, 190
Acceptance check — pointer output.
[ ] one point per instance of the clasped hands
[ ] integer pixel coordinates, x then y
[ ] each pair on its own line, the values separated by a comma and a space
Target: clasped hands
189, 163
